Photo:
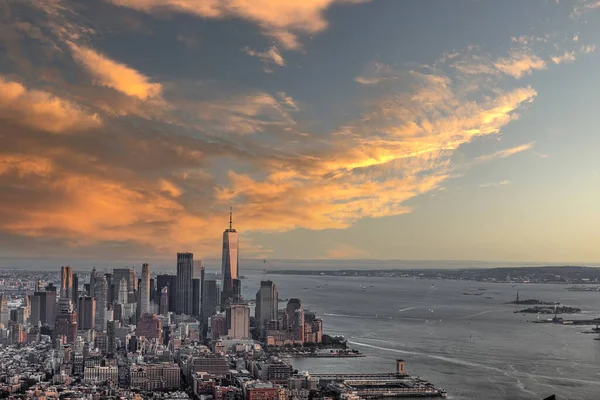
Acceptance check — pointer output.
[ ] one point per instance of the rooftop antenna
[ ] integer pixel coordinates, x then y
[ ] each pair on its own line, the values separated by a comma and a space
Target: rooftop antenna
230, 217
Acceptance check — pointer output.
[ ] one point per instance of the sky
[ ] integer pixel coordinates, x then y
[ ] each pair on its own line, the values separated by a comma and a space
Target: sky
336, 129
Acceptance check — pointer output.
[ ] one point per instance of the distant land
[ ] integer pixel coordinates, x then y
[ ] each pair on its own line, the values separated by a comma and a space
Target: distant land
168, 264
544, 274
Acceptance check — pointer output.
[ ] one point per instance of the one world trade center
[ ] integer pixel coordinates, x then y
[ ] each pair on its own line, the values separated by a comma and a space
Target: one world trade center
229, 269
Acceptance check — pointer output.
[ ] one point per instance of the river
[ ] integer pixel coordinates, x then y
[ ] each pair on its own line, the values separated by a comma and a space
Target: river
472, 346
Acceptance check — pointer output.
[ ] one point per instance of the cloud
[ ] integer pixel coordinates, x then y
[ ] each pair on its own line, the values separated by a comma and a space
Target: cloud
519, 63
495, 184
585, 6
565, 57
270, 56
587, 49
245, 113
112, 74
287, 100
504, 153
283, 20
164, 185
377, 73
42, 110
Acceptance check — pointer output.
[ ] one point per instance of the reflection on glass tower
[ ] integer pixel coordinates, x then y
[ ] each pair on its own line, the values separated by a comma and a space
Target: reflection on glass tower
229, 269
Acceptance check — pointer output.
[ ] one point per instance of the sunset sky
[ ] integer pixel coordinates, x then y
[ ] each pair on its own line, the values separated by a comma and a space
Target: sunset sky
361, 129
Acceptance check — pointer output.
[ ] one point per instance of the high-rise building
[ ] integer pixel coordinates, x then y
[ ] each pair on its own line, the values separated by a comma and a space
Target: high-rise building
185, 274
162, 281
266, 304
35, 315
169, 281
111, 346
109, 288
218, 326
66, 321
149, 327
230, 261
238, 321
237, 291
202, 278
128, 274
153, 294
209, 306
86, 312
290, 312
66, 282
196, 292
145, 290
164, 301
4, 314
43, 306
93, 277
101, 292
75, 290
123, 294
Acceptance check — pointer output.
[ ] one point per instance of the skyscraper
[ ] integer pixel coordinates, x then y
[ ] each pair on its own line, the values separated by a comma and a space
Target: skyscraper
66, 320
267, 300
75, 290
209, 301
66, 282
123, 294
185, 274
164, 301
93, 277
101, 292
128, 274
290, 311
238, 321
168, 281
111, 345
36, 312
109, 289
230, 260
153, 295
86, 312
196, 292
4, 314
202, 276
45, 302
145, 289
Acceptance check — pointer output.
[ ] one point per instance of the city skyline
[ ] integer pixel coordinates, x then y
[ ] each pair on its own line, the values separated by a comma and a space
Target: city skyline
336, 129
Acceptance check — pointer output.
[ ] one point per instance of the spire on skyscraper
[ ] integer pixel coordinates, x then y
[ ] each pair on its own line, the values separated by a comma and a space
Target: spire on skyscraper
230, 217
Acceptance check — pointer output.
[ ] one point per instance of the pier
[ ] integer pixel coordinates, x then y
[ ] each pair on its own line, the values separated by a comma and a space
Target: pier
379, 385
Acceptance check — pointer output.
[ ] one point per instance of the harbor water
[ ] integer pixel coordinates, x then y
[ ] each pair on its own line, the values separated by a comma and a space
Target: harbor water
474, 346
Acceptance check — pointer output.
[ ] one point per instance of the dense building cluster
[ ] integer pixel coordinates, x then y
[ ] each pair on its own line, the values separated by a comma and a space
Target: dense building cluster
114, 334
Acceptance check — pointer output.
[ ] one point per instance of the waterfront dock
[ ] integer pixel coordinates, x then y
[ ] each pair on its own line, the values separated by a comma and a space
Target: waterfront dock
383, 385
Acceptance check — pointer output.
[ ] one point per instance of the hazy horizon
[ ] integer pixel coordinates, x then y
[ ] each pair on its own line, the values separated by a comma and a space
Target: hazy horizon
214, 265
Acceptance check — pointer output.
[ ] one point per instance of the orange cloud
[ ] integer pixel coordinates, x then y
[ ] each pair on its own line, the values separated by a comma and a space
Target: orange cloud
42, 110
519, 63
247, 113
565, 57
280, 19
270, 56
112, 74
504, 153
